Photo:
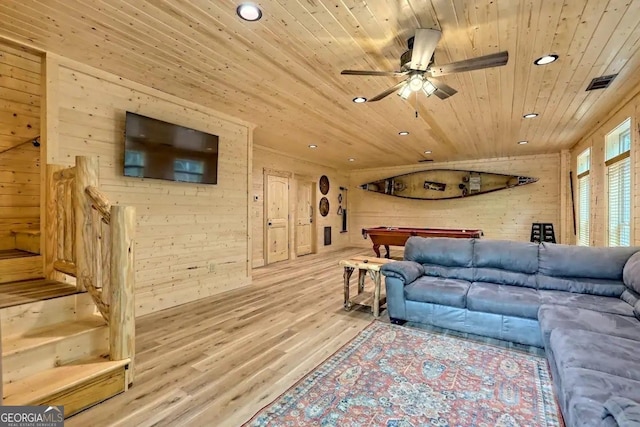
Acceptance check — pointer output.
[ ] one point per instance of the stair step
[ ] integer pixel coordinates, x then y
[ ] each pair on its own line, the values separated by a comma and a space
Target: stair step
76, 386
28, 291
14, 253
27, 239
53, 346
21, 319
15, 268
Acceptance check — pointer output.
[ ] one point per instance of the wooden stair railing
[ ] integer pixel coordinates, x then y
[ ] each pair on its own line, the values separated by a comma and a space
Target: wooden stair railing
91, 240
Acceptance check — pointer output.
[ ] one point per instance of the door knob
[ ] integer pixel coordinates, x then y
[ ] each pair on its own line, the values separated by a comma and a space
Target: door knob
269, 223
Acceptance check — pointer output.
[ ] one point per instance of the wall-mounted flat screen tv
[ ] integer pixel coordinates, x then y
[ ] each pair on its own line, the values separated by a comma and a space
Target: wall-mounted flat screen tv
161, 150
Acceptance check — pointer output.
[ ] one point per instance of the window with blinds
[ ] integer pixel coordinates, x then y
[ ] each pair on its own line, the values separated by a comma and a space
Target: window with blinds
618, 164
584, 196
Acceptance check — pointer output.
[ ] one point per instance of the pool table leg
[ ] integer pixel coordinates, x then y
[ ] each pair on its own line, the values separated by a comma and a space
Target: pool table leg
376, 249
388, 255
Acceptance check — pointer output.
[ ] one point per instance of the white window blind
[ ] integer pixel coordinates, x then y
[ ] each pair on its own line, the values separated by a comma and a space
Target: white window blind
619, 183
583, 210
584, 197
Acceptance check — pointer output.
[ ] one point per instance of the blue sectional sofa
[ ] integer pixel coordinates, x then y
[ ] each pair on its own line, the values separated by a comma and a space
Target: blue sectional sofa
581, 304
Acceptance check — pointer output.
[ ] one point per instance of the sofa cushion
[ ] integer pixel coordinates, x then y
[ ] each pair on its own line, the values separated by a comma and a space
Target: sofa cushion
583, 285
585, 392
504, 277
583, 261
508, 255
459, 273
625, 412
503, 299
438, 290
631, 273
630, 296
551, 317
439, 251
599, 352
589, 302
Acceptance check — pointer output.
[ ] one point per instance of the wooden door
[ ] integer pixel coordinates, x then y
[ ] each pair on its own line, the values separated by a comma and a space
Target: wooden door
277, 216
304, 218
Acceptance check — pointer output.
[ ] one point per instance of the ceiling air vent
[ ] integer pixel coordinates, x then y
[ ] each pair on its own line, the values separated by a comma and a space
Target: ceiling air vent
425, 160
601, 82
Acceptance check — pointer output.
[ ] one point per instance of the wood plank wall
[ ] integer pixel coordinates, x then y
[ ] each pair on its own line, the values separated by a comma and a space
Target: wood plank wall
264, 158
595, 139
505, 214
19, 122
192, 241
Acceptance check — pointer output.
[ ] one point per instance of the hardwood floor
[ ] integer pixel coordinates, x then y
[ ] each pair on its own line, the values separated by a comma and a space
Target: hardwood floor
217, 361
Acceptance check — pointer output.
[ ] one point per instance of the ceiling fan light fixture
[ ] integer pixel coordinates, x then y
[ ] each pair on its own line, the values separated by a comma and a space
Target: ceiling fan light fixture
359, 99
403, 133
405, 92
428, 88
522, 142
415, 82
530, 115
547, 59
249, 12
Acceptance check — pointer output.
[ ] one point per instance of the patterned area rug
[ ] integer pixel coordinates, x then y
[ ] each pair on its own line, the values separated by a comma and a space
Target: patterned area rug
397, 376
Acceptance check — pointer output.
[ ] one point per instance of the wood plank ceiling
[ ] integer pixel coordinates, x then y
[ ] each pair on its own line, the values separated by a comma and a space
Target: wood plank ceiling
283, 72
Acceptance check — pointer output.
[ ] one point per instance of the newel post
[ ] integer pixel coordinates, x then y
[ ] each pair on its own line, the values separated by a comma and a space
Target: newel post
86, 175
121, 292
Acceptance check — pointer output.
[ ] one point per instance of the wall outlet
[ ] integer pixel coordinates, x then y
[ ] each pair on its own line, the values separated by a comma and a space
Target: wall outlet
212, 267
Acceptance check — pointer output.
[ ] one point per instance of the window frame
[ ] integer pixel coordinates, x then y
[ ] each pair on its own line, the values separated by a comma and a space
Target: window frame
617, 151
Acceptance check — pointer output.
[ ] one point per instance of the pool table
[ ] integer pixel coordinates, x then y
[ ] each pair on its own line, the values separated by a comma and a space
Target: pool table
397, 236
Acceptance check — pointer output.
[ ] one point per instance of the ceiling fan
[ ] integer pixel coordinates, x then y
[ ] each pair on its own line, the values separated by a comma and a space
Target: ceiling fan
417, 64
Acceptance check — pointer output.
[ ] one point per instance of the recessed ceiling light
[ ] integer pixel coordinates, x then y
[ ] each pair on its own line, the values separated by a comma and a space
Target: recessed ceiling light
359, 99
313, 146
403, 133
530, 115
352, 159
249, 12
544, 60
427, 152
522, 142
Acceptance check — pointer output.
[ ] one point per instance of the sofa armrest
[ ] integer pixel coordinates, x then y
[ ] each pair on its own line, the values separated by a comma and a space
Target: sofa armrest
626, 412
407, 271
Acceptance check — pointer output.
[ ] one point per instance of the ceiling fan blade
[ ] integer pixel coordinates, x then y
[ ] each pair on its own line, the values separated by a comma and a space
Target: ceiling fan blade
387, 92
443, 91
424, 44
373, 73
487, 61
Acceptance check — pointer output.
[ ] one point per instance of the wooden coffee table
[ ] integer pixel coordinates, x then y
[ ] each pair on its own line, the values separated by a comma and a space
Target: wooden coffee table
365, 265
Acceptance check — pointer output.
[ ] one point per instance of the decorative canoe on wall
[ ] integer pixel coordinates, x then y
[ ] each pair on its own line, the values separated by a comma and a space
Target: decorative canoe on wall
437, 184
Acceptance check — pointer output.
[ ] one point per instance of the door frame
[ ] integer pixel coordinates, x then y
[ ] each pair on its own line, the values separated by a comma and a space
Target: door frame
265, 228
314, 228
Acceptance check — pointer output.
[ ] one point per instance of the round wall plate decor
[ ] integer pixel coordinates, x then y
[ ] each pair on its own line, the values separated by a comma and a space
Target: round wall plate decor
324, 206
324, 184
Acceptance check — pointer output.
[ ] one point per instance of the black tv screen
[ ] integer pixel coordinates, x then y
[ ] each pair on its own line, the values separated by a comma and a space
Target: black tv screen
161, 150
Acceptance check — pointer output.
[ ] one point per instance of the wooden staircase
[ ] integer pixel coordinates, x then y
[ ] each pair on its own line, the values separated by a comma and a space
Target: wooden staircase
67, 311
